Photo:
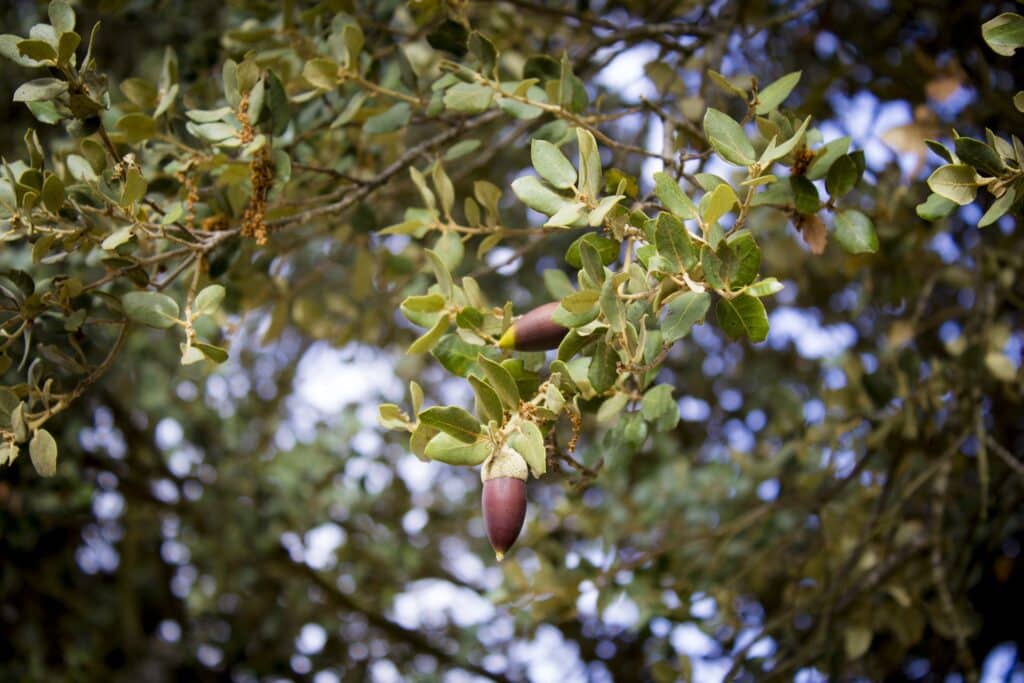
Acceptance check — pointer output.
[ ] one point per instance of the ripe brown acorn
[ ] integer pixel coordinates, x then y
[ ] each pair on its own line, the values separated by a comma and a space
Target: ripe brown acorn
504, 503
534, 331
504, 498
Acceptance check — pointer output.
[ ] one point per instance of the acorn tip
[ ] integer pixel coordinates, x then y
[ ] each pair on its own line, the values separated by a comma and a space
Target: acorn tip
508, 340
498, 555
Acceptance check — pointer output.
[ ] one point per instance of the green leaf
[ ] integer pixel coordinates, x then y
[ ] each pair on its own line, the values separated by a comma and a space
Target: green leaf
451, 451
483, 49
765, 287
211, 352
420, 181
151, 308
998, 209
1004, 34
1000, 366
935, 207
139, 92
842, 176
719, 202
9, 49
62, 17
40, 89
441, 272
117, 238
208, 300
552, 165
388, 121
658, 402
725, 84
855, 232
487, 399
805, 195
979, 155
743, 259
774, 94
461, 149
43, 450
672, 196
452, 420
727, 138
557, 283
529, 443
391, 416
567, 215
538, 196
612, 306
713, 267
450, 36
80, 168
825, 156
856, 641
353, 40
581, 301
427, 341
134, 187
39, 50
682, 313
501, 381
425, 303
18, 425
611, 410
137, 127
577, 309
457, 355
743, 316
53, 193
673, 242
590, 174
956, 182
603, 369
321, 73
597, 215
541, 67
469, 318
939, 150
445, 193
519, 110
277, 102
591, 263
607, 249
468, 98
420, 437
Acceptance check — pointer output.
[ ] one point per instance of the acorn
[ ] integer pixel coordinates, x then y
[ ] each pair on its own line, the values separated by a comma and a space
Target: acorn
534, 331
504, 498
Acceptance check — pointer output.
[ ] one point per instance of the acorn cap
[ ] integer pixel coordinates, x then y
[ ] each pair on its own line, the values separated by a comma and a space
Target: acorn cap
504, 463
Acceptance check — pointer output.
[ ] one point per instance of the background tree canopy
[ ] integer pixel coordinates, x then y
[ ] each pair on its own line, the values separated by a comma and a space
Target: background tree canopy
261, 263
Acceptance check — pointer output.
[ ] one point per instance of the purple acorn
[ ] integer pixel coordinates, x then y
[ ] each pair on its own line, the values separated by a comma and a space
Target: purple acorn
504, 503
504, 498
534, 331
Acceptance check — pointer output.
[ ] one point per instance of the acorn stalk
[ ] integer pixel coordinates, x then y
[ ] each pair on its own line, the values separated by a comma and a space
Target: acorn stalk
534, 331
504, 498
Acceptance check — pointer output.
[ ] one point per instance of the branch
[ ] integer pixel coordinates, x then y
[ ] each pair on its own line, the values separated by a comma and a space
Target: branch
400, 164
392, 629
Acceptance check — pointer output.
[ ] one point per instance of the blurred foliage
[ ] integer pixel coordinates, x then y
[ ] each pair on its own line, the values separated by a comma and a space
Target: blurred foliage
203, 203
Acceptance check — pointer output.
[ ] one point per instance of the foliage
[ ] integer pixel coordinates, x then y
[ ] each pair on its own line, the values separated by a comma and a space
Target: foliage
352, 173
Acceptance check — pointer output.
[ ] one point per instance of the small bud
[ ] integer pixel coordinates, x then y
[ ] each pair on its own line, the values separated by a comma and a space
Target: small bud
534, 331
